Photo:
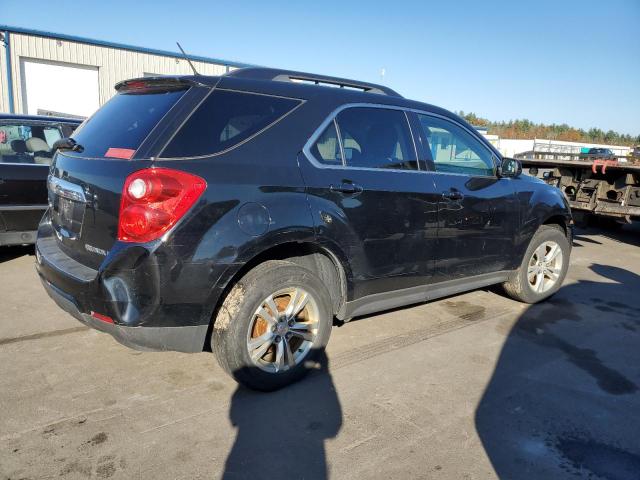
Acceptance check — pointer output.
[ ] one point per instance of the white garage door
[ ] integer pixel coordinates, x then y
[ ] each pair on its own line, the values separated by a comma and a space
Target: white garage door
59, 88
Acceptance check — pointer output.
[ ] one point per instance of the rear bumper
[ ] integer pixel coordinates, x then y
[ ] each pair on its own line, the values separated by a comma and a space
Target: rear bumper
157, 297
181, 339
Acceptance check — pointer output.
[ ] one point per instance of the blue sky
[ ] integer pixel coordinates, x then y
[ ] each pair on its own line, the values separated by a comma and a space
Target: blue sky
575, 62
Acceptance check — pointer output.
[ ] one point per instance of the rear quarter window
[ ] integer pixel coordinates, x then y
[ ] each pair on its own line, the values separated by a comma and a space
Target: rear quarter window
225, 119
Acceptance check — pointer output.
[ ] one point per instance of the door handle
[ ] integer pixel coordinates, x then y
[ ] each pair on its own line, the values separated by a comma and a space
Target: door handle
346, 188
453, 195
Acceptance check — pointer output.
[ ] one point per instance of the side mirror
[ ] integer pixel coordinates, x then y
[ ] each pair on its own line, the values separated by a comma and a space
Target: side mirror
510, 168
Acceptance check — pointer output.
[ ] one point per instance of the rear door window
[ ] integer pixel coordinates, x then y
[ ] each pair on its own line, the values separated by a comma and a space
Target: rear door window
225, 119
376, 138
124, 122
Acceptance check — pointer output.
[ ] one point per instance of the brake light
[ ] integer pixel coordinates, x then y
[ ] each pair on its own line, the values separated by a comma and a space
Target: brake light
153, 200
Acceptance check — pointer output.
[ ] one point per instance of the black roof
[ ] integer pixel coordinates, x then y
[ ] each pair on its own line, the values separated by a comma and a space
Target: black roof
259, 73
303, 85
38, 118
287, 81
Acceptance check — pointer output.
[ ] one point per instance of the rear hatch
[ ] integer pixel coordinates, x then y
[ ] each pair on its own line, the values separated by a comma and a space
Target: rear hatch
85, 184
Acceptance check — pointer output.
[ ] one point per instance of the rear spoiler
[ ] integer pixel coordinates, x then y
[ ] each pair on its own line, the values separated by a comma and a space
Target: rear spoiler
159, 84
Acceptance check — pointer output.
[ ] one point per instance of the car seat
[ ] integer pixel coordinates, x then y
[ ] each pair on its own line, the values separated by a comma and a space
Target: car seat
40, 149
19, 147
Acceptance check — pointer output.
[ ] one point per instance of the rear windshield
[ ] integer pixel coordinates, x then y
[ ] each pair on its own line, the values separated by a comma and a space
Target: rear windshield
225, 119
124, 122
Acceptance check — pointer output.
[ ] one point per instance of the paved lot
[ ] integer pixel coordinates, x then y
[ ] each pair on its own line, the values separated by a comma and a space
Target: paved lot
474, 386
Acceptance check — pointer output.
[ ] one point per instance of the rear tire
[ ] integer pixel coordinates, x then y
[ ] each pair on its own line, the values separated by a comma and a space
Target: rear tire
266, 350
543, 267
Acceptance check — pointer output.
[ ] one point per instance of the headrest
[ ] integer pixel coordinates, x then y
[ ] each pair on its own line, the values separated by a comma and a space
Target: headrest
19, 146
382, 140
35, 144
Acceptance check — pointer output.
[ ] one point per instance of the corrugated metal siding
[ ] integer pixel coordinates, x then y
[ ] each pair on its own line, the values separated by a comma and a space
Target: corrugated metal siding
114, 64
4, 89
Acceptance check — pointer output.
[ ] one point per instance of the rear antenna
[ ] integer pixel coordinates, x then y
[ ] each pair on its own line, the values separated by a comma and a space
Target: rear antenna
195, 72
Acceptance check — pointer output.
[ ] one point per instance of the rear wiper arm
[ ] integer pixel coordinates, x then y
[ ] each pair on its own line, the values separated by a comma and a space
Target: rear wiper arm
68, 143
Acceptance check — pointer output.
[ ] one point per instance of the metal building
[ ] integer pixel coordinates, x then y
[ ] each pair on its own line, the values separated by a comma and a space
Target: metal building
54, 74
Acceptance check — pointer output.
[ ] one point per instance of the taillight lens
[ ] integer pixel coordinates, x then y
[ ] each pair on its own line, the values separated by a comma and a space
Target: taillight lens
153, 200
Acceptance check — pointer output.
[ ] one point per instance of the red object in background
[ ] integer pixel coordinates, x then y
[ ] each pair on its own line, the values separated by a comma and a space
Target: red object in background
604, 163
124, 153
153, 200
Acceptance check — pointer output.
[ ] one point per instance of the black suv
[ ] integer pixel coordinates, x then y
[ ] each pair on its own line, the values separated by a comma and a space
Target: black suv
245, 212
26, 148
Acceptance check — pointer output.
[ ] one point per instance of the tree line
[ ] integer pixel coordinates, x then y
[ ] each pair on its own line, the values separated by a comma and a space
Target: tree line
522, 129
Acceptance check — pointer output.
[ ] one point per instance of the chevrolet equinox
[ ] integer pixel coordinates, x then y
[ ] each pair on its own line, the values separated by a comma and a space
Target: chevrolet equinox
242, 213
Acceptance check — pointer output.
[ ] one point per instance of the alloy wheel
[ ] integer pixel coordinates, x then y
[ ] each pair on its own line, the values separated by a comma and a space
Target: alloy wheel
283, 329
544, 267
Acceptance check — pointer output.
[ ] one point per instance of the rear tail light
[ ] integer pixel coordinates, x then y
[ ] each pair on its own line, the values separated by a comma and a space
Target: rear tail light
153, 200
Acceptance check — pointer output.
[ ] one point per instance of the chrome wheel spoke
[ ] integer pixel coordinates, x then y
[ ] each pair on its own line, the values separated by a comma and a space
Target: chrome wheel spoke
271, 303
541, 252
302, 330
539, 286
259, 346
291, 361
297, 302
263, 313
553, 253
552, 273
279, 363
531, 273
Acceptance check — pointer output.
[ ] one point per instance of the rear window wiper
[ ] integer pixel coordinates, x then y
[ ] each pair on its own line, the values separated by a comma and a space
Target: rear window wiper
68, 143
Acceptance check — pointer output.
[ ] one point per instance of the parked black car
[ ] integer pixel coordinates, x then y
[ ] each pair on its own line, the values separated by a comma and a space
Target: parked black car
245, 212
25, 155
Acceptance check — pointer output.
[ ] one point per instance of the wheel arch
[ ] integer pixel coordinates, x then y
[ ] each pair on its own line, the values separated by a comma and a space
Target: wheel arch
329, 264
560, 220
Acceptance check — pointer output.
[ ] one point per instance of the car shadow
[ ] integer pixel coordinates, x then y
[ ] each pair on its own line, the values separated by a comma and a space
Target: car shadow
12, 252
628, 234
564, 397
282, 434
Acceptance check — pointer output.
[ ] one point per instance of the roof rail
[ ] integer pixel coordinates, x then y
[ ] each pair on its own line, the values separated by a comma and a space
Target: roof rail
259, 73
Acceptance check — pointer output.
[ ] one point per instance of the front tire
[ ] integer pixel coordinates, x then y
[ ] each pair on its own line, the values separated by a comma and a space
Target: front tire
273, 323
543, 267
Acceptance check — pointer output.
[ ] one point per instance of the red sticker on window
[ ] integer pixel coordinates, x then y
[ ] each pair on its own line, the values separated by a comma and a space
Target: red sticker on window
125, 153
